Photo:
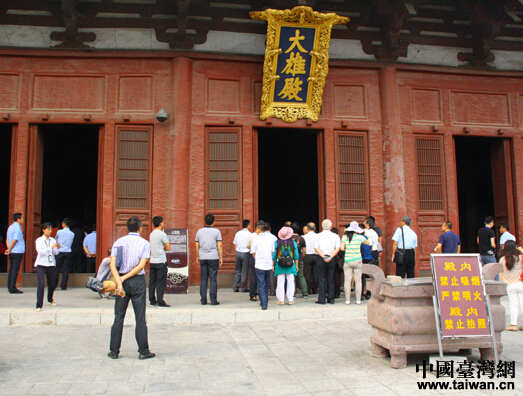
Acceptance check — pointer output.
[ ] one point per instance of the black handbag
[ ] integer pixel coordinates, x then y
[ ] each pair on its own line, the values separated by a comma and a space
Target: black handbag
399, 256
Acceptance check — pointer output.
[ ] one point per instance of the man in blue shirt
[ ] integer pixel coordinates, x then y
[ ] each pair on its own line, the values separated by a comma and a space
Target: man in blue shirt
505, 236
448, 241
64, 259
411, 243
130, 286
15, 250
90, 250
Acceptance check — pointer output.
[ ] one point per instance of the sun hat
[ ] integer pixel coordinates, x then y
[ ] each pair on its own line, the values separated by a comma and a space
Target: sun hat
285, 233
353, 226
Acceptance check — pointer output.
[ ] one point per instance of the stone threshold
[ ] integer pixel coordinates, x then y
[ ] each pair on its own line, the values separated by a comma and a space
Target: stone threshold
89, 316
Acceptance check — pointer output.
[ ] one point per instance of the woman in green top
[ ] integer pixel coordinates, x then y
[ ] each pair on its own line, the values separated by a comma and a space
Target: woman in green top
351, 245
285, 246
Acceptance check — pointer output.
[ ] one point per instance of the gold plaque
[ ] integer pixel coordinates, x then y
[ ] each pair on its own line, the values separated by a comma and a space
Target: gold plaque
296, 61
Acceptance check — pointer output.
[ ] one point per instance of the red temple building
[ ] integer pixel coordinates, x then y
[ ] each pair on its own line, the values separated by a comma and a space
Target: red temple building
422, 115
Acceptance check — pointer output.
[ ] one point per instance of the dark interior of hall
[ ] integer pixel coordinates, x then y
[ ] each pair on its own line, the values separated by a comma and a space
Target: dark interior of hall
5, 164
475, 187
70, 173
288, 176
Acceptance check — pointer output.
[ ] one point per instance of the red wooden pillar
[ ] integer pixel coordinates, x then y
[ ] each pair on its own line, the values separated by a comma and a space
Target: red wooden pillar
105, 222
328, 170
19, 164
517, 144
248, 175
181, 123
394, 183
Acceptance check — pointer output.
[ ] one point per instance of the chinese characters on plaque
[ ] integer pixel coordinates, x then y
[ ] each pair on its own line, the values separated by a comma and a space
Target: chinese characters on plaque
461, 295
294, 65
177, 261
296, 62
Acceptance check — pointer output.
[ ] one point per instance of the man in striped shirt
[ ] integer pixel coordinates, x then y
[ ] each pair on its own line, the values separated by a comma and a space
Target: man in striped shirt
130, 285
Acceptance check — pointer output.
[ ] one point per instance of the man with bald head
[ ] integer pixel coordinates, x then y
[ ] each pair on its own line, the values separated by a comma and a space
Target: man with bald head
327, 246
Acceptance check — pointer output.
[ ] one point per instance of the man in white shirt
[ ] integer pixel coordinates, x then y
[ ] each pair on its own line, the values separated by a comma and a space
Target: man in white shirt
243, 254
372, 234
158, 267
253, 286
262, 248
311, 259
327, 247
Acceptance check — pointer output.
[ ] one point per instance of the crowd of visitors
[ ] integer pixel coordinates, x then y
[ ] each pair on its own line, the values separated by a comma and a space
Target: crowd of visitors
315, 263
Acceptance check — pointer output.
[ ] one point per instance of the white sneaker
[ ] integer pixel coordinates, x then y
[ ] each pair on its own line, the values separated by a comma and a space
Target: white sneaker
347, 302
358, 302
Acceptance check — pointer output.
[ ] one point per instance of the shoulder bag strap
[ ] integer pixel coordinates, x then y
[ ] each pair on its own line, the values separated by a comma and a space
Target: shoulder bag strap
403, 239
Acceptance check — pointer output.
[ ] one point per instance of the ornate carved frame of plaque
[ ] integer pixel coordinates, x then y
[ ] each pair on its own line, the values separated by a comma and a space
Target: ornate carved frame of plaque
296, 61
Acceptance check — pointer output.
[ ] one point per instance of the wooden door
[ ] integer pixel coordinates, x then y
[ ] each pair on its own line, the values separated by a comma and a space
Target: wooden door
352, 168
132, 178
223, 186
34, 195
501, 161
432, 203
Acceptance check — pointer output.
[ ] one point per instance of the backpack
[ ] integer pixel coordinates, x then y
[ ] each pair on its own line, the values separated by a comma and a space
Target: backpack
94, 284
285, 260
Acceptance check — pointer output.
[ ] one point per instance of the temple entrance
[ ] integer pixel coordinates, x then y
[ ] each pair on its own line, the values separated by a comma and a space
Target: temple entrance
70, 173
6, 132
484, 174
288, 176
64, 158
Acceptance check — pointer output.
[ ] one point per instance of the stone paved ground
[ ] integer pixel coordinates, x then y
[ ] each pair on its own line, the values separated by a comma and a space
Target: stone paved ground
315, 356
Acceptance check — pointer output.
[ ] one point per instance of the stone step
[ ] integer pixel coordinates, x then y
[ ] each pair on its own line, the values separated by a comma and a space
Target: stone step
79, 306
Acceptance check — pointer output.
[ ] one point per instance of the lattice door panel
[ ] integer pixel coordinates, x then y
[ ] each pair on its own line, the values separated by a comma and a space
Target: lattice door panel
353, 176
432, 206
223, 185
133, 176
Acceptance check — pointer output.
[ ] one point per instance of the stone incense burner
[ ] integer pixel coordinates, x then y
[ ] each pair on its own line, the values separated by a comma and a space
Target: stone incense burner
402, 317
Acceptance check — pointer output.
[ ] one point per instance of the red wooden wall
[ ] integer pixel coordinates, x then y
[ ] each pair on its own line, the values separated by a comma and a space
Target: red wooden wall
386, 136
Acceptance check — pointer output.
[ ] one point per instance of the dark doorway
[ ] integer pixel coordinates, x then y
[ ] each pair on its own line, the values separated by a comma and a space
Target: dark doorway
288, 176
475, 186
6, 133
70, 170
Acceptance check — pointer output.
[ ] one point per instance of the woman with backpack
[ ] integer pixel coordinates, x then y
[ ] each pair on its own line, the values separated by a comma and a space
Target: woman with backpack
511, 261
353, 264
285, 257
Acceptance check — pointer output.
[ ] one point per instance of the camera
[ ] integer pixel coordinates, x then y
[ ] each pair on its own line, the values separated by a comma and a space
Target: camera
162, 115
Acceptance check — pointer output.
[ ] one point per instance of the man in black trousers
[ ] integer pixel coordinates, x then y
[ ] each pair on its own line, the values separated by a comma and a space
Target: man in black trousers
158, 268
327, 246
15, 250
130, 285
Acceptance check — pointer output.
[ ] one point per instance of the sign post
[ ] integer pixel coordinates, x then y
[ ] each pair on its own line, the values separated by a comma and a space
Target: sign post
177, 261
461, 301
